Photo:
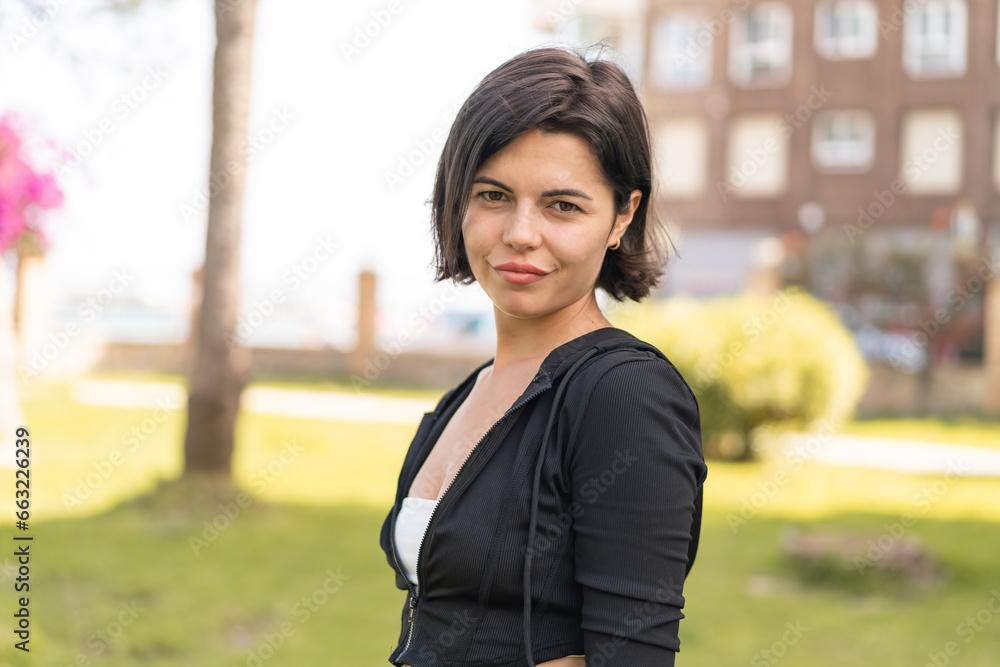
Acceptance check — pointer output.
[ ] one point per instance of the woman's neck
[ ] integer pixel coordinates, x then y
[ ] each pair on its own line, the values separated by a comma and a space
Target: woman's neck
523, 341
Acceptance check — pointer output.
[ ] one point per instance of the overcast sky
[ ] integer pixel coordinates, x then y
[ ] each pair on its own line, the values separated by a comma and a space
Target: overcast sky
332, 114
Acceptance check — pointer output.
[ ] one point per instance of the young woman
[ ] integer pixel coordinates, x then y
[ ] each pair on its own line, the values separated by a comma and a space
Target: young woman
548, 508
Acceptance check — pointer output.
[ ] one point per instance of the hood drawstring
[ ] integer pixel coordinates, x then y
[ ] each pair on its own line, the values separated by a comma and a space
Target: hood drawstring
534, 505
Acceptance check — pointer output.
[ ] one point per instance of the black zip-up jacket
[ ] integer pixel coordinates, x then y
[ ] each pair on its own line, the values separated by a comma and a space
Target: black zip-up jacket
586, 492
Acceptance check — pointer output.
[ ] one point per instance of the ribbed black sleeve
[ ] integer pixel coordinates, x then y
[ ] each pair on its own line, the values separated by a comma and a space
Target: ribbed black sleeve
635, 466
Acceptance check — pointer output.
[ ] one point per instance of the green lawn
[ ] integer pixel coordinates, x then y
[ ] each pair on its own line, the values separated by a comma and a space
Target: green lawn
119, 578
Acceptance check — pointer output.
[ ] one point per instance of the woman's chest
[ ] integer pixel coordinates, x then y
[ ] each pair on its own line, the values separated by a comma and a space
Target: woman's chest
474, 545
463, 432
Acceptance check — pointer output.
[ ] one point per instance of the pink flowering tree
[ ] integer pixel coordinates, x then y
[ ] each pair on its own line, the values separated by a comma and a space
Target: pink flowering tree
25, 192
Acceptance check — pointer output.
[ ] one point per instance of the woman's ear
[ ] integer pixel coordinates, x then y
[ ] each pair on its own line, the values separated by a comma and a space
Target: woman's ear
622, 220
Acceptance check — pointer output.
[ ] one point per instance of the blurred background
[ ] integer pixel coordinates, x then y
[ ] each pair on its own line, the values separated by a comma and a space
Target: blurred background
219, 323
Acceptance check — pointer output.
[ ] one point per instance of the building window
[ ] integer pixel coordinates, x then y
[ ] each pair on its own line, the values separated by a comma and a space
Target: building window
931, 152
846, 29
843, 141
760, 46
757, 157
681, 146
934, 39
682, 50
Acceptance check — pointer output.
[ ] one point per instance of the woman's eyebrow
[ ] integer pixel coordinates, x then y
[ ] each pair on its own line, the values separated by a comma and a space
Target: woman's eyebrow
564, 192
492, 181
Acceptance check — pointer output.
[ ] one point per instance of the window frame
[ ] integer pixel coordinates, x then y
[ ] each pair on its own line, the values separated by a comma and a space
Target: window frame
834, 48
867, 135
742, 51
701, 135
769, 126
909, 160
662, 78
914, 42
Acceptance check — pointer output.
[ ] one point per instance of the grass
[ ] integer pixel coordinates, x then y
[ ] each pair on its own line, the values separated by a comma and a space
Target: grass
212, 608
300, 568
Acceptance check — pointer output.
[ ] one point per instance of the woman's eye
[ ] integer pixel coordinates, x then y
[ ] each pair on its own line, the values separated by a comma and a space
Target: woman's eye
488, 195
566, 207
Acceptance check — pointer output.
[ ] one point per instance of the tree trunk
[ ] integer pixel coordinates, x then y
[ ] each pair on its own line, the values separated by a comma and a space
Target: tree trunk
991, 342
10, 406
220, 363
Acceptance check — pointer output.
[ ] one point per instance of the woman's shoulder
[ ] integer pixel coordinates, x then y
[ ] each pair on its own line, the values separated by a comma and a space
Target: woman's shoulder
629, 375
638, 397
630, 367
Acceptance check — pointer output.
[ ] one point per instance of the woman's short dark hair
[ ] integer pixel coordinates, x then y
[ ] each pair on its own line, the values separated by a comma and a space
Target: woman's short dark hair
555, 90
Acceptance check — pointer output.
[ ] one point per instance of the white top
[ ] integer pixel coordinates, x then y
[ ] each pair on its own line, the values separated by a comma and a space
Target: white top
411, 524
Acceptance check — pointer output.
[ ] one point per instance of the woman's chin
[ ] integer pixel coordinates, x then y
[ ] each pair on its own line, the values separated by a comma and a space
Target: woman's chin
524, 309
521, 314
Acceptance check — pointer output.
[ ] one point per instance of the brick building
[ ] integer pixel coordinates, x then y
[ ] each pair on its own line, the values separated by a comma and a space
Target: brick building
863, 133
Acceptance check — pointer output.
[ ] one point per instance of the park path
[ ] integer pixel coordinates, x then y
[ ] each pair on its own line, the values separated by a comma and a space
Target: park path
907, 456
306, 403
839, 450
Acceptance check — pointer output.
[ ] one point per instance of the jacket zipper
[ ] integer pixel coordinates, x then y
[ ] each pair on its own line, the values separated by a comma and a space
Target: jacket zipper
413, 596
392, 535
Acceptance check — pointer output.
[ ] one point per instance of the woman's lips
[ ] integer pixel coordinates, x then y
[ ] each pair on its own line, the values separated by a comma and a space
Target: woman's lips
520, 277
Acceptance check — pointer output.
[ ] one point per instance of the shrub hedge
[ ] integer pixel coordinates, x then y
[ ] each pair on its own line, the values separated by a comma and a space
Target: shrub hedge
782, 361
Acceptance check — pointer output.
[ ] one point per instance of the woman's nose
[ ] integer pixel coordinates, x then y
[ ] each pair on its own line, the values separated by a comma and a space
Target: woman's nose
522, 228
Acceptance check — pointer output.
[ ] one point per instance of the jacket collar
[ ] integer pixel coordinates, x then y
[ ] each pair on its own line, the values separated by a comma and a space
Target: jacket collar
605, 338
558, 361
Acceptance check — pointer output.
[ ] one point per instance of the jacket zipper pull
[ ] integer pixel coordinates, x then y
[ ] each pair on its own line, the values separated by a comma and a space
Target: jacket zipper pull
413, 607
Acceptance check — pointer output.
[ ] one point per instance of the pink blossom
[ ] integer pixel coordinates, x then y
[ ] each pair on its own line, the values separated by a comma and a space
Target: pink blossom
24, 191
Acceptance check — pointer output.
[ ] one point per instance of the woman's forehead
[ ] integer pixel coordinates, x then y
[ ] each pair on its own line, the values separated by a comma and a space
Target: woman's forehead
552, 156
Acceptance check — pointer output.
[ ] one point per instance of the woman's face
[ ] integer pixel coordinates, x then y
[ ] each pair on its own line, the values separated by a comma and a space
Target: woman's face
541, 201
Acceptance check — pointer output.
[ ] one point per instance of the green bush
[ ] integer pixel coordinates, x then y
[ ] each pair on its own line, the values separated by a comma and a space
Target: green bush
780, 361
